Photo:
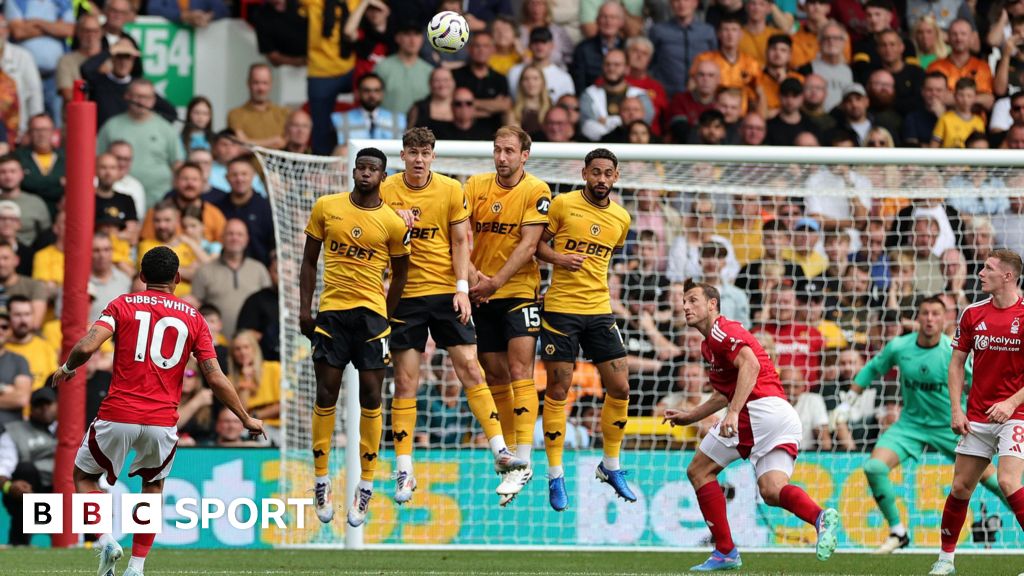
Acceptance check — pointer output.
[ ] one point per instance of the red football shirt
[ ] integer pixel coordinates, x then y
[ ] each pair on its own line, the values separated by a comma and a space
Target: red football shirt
154, 332
720, 348
798, 346
994, 335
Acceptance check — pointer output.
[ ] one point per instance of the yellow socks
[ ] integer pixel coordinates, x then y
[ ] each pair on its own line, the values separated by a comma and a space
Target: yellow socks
613, 429
505, 403
370, 426
323, 430
484, 410
554, 434
403, 424
525, 410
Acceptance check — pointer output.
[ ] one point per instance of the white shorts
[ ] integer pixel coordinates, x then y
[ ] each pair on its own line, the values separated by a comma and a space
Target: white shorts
106, 445
988, 438
769, 436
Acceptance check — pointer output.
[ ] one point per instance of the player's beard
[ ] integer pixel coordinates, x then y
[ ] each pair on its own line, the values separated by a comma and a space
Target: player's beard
597, 193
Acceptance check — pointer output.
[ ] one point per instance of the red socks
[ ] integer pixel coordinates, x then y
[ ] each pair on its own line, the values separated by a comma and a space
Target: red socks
794, 499
712, 505
1016, 502
953, 516
141, 543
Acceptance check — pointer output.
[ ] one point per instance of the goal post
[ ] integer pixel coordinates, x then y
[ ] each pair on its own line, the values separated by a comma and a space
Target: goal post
691, 205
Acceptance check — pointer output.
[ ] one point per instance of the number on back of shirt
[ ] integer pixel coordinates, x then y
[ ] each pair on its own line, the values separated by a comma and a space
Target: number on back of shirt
156, 345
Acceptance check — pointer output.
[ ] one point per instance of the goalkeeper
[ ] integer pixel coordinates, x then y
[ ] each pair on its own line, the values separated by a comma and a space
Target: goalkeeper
923, 361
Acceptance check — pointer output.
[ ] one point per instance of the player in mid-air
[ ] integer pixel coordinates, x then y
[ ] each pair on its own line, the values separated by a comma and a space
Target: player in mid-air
760, 425
154, 333
923, 361
361, 237
436, 297
508, 210
587, 228
994, 423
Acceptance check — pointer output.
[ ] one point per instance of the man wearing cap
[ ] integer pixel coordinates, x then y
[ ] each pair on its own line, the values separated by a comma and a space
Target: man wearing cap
853, 112
865, 51
542, 47
790, 121
406, 75
109, 74
10, 224
259, 121
777, 69
15, 376
27, 450
806, 232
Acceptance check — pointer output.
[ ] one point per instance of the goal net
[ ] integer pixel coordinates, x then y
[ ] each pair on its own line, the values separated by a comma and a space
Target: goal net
823, 253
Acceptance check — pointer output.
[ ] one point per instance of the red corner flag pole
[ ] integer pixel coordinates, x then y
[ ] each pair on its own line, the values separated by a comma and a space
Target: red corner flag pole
80, 207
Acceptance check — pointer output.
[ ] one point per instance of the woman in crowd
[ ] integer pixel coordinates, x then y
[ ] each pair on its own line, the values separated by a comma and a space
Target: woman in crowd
532, 99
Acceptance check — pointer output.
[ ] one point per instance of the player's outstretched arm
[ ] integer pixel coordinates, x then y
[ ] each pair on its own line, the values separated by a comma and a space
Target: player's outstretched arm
958, 420
399, 276
224, 390
462, 267
522, 254
82, 351
716, 402
545, 253
307, 284
748, 368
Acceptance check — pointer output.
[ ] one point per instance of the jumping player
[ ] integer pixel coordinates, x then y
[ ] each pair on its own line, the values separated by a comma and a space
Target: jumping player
759, 425
587, 227
154, 333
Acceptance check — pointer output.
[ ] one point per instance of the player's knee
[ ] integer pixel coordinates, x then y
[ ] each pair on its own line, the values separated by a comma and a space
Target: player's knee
875, 467
1008, 483
405, 386
369, 399
962, 488
770, 494
698, 475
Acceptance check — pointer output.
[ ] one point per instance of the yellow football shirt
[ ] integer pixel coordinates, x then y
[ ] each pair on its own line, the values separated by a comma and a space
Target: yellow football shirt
325, 54
952, 130
185, 258
269, 391
582, 227
499, 214
439, 204
48, 265
358, 246
41, 357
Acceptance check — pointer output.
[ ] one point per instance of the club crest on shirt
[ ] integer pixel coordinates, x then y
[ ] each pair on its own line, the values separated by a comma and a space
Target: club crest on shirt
357, 232
1015, 326
416, 211
595, 230
496, 207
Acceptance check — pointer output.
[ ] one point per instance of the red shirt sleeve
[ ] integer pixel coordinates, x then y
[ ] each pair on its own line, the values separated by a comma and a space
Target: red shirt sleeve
110, 316
963, 340
727, 340
202, 348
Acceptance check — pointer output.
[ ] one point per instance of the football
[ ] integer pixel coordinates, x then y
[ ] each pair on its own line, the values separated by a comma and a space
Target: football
448, 32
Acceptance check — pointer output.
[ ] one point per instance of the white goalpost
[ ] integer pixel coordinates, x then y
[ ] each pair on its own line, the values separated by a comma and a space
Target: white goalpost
890, 227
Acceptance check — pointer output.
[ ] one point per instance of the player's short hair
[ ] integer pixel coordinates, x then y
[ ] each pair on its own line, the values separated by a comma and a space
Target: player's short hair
373, 153
1009, 258
515, 132
159, 265
932, 300
709, 291
601, 153
418, 137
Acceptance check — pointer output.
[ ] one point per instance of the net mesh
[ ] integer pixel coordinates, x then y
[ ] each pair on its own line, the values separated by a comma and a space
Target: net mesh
824, 263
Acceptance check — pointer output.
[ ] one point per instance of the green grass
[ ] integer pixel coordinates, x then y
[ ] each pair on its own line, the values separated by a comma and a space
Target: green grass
451, 563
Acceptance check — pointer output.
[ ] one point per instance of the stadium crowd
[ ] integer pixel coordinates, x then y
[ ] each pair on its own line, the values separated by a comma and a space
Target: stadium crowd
823, 281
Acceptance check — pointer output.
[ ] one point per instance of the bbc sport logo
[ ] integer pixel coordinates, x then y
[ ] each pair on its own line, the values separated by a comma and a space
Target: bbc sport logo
144, 513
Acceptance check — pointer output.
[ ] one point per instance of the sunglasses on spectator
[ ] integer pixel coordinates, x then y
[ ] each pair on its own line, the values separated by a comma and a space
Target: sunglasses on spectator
878, 143
461, 103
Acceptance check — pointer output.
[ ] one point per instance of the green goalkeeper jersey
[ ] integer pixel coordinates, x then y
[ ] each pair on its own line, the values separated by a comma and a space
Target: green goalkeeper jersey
924, 377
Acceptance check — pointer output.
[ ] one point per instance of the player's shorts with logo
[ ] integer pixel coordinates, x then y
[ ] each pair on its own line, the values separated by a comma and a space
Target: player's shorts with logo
501, 320
106, 445
562, 335
987, 439
769, 436
414, 316
359, 336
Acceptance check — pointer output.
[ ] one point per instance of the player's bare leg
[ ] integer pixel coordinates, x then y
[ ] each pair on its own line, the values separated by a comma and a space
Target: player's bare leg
1010, 471
967, 470
481, 404
614, 417
142, 543
403, 419
703, 474
777, 491
555, 394
109, 551
328, 385
371, 384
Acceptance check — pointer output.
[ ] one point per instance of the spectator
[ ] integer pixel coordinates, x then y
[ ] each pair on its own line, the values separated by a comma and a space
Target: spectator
538, 14
556, 127
507, 52
929, 41
815, 95
48, 261
790, 121
260, 315
27, 454
852, 113
797, 344
480, 12
43, 28
805, 40
225, 149
1007, 112
245, 205
753, 130
198, 130
879, 18
686, 107
406, 75
195, 412
204, 250
166, 226
187, 192
777, 70
928, 272
720, 9
258, 381
953, 127
330, 69
638, 132
116, 14
970, 200
806, 233
532, 99
998, 20
1009, 70
761, 277
757, 31
960, 64
589, 55
919, 125
465, 126
571, 103
676, 43
23, 341
297, 132
10, 225
743, 230
367, 31
89, 41
639, 51
126, 183
109, 89
44, 165
490, 89
646, 287
436, 109
195, 13
979, 242
831, 63
282, 32
259, 121
113, 204
839, 212
730, 103
230, 431
108, 280
699, 229
734, 304
881, 91
1014, 139
631, 110
19, 64
810, 406
227, 281
879, 137
15, 377
602, 105
908, 78
738, 70
156, 145
711, 128
810, 309
556, 78
211, 315
35, 216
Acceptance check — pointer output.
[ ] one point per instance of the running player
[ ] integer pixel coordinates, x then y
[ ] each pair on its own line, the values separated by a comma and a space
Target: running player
994, 423
760, 424
509, 209
587, 227
154, 332
362, 236
923, 361
435, 298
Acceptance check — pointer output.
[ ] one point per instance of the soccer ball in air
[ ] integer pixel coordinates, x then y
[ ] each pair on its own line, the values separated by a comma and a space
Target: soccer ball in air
448, 32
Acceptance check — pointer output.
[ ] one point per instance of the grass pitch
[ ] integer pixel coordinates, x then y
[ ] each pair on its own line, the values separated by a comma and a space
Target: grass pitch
162, 562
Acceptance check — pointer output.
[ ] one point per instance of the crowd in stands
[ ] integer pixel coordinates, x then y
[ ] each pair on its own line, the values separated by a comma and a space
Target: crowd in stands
824, 281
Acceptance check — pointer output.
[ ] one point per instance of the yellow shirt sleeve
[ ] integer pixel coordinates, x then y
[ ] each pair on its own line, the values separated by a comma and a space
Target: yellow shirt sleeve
538, 206
315, 226
555, 215
458, 207
627, 220
939, 134
398, 237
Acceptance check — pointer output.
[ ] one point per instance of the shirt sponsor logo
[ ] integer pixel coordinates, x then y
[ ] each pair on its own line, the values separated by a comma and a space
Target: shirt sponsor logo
997, 343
